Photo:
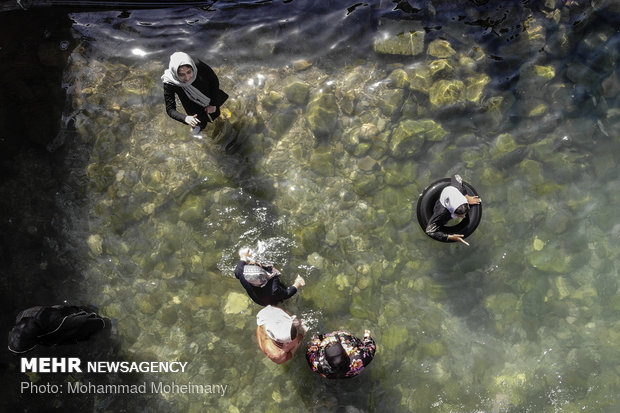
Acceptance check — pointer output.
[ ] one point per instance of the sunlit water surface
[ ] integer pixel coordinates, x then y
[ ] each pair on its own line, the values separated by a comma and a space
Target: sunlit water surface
339, 116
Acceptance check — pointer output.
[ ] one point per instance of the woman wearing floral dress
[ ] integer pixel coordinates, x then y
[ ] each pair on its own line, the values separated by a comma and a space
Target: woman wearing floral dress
339, 354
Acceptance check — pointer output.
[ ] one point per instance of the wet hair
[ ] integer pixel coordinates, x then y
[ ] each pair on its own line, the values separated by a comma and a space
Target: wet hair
337, 357
462, 209
294, 326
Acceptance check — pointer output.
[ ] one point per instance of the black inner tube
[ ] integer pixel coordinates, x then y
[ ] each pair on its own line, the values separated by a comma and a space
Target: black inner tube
426, 204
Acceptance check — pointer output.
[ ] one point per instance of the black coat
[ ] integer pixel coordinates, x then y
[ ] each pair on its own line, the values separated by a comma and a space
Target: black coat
208, 83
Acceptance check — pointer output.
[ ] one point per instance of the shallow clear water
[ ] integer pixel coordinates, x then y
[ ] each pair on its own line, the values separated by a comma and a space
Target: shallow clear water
339, 116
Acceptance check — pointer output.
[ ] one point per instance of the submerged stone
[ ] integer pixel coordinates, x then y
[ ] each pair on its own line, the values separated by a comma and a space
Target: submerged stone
322, 114
236, 303
420, 78
447, 92
408, 137
398, 79
297, 91
441, 49
440, 68
475, 87
405, 43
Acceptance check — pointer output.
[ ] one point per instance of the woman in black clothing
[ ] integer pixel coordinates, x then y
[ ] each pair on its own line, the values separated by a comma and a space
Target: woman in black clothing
198, 88
262, 282
453, 203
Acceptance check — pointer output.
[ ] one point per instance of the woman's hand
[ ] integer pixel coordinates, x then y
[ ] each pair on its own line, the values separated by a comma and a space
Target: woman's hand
299, 282
192, 120
210, 109
458, 238
473, 200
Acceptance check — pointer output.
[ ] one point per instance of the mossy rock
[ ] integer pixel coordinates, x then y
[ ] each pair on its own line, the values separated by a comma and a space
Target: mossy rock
322, 162
395, 336
399, 173
447, 92
193, 209
410, 134
409, 43
322, 114
398, 79
282, 120
391, 101
311, 236
420, 79
475, 87
441, 49
364, 183
550, 260
272, 99
440, 68
297, 91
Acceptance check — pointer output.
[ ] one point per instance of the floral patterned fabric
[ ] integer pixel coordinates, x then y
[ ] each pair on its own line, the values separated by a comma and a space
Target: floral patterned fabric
360, 352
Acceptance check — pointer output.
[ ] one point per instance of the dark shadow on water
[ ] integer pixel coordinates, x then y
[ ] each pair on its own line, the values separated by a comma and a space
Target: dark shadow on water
43, 189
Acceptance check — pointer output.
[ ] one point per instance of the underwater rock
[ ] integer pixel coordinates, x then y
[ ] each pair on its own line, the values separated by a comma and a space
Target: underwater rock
316, 261
447, 92
408, 137
409, 43
348, 102
398, 79
236, 303
363, 183
322, 162
580, 74
394, 336
390, 101
193, 209
95, 243
440, 69
399, 173
475, 87
146, 304
441, 49
297, 91
311, 236
272, 99
326, 296
367, 164
282, 120
301, 64
550, 259
420, 78
167, 315
322, 114
611, 86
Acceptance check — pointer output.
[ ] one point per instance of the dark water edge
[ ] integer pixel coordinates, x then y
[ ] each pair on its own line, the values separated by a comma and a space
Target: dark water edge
35, 258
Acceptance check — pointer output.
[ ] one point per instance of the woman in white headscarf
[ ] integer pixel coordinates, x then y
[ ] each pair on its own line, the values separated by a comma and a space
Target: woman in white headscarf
198, 89
279, 334
262, 282
453, 203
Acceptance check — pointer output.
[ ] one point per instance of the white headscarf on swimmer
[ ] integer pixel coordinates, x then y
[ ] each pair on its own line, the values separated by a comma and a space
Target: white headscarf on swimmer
277, 322
451, 198
171, 76
252, 272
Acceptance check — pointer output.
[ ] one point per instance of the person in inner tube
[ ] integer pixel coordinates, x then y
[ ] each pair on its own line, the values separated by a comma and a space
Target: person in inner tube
453, 203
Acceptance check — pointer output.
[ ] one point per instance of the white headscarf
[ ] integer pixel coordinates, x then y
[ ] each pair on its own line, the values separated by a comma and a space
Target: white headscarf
171, 76
451, 198
257, 275
277, 323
